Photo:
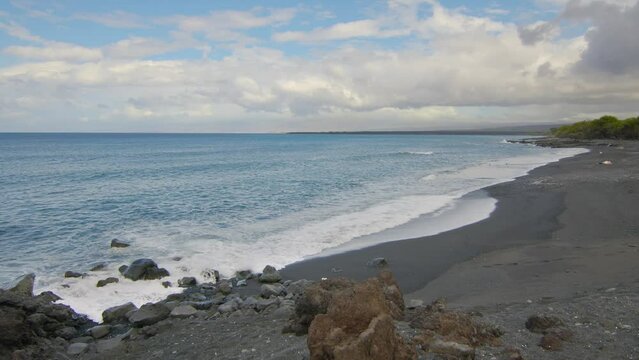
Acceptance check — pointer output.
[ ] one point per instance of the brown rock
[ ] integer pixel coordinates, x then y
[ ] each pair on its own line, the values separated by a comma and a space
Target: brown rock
357, 325
540, 323
551, 342
315, 300
450, 349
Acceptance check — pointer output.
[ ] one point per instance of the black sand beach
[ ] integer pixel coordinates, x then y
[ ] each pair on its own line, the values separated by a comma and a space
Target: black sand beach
546, 224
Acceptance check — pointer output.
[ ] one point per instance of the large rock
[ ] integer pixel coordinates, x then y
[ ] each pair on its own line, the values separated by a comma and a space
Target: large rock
270, 275
118, 313
187, 281
77, 349
268, 290
315, 300
378, 262
100, 331
72, 274
148, 314
144, 269
24, 285
357, 325
14, 329
183, 311
107, 281
452, 350
115, 243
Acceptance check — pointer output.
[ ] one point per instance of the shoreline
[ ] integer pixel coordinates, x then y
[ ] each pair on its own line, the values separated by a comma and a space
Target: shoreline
528, 212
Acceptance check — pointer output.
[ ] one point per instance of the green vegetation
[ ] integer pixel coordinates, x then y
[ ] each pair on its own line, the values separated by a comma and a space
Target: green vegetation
606, 127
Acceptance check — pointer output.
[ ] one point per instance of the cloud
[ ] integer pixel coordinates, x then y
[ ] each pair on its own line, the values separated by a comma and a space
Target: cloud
116, 19
18, 31
612, 40
227, 25
541, 31
341, 31
55, 51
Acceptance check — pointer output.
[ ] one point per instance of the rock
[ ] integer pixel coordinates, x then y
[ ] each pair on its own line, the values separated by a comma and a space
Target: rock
24, 285
243, 275
284, 312
378, 341
100, 331
115, 243
187, 281
541, 323
314, 301
378, 262
176, 258
106, 345
82, 339
144, 269
148, 314
211, 274
357, 325
77, 349
270, 275
551, 342
183, 311
241, 283
122, 269
413, 303
606, 162
118, 313
98, 267
228, 307
72, 274
107, 281
225, 287
166, 284
199, 305
451, 349
66, 332
268, 290
14, 330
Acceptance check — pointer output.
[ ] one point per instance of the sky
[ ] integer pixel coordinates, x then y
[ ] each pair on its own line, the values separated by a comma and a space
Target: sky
275, 66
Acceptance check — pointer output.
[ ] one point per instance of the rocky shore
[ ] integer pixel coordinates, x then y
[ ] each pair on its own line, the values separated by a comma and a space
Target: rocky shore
551, 275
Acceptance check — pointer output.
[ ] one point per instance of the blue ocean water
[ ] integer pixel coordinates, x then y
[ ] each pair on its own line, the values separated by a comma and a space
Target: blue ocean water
227, 202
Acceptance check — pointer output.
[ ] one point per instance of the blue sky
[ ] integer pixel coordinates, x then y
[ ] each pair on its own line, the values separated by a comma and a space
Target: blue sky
230, 66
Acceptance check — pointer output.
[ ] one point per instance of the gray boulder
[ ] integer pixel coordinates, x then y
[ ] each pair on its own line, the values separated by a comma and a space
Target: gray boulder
24, 285
115, 243
229, 306
268, 290
72, 274
117, 313
270, 275
107, 281
187, 281
100, 331
77, 349
144, 269
98, 267
183, 311
225, 287
148, 314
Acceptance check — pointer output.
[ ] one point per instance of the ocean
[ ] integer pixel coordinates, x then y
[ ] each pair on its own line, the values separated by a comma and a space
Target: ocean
230, 201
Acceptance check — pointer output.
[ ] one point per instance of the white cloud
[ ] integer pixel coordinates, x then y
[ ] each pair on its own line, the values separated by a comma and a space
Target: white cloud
116, 19
55, 51
453, 67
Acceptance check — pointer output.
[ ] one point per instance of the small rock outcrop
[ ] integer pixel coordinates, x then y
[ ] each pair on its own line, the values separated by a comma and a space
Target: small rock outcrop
115, 243
72, 274
30, 323
270, 275
118, 313
268, 290
541, 323
24, 285
187, 281
144, 269
107, 281
148, 314
357, 325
